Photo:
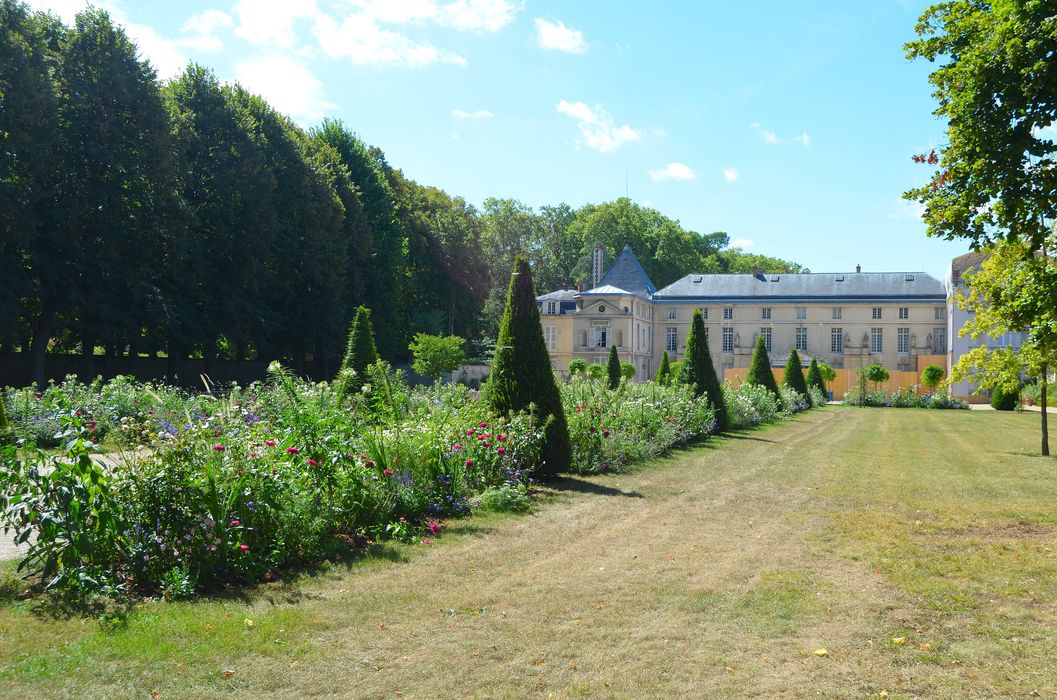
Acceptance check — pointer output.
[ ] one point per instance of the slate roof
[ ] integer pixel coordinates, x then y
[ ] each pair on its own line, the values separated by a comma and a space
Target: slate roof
830, 286
560, 295
625, 276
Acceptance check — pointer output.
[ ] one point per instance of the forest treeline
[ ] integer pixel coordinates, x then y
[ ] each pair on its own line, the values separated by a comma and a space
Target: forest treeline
191, 218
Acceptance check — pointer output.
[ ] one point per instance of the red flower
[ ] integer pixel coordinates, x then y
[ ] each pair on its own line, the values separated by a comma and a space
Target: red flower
456, 447
470, 431
270, 443
482, 424
254, 455
487, 444
469, 464
605, 433
244, 548
150, 413
369, 464
78, 414
39, 394
426, 540
312, 462
387, 472
292, 450
219, 448
501, 450
434, 528
234, 523
501, 438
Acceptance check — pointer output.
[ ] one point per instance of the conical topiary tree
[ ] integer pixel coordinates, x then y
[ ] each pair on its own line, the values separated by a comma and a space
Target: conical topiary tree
360, 352
613, 368
814, 376
760, 368
664, 372
521, 372
794, 374
699, 371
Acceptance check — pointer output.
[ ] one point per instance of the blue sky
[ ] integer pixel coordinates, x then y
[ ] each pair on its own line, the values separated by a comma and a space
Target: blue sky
788, 125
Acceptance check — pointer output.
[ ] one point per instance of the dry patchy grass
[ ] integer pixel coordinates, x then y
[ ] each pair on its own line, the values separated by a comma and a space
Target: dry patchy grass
714, 573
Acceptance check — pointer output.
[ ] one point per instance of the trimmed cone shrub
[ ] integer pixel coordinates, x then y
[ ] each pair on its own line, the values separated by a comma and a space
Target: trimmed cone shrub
664, 372
814, 376
699, 370
613, 368
794, 374
760, 372
1004, 399
521, 372
360, 352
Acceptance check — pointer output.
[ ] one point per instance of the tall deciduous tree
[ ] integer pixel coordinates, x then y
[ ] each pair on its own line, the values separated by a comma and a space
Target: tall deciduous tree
699, 371
521, 373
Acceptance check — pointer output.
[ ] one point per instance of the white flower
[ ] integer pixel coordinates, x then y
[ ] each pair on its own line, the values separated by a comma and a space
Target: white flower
366, 388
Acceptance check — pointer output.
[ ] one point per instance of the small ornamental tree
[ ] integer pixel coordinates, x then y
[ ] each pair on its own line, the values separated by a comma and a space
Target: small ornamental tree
360, 352
613, 368
676, 377
578, 367
434, 355
699, 371
877, 374
760, 372
521, 374
931, 377
596, 371
627, 370
1004, 398
664, 372
814, 376
794, 374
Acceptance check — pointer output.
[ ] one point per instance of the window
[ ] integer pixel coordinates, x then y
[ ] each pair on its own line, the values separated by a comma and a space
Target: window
904, 313
704, 313
728, 339
941, 313
801, 313
939, 340
766, 333
601, 308
765, 313
838, 313
600, 336
876, 313
728, 313
801, 339
552, 307
836, 340
550, 334
671, 336
672, 314
903, 339
877, 340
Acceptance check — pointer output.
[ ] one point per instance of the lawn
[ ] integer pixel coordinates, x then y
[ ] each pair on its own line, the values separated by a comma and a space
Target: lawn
917, 547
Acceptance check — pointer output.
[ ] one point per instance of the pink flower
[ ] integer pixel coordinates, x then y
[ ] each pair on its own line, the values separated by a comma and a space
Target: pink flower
270, 443
470, 431
402, 518
605, 433
487, 444
501, 438
501, 450
594, 429
369, 464
244, 548
363, 456
219, 448
216, 433
387, 472
234, 523
426, 540
292, 450
456, 447
311, 462
482, 424
150, 413
434, 528
469, 464
254, 455
39, 394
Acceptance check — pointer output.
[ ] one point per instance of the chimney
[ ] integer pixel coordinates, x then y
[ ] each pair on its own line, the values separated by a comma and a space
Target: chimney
596, 265
755, 271
858, 268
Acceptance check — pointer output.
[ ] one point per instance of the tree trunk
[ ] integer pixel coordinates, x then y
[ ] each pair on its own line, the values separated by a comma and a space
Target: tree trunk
1045, 421
39, 346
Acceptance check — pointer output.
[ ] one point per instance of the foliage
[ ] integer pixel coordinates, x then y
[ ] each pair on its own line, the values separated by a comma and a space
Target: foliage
827, 372
677, 372
814, 376
932, 376
596, 371
578, 367
760, 372
613, 368
1004, 399
627, 370
435, 355
521, 377
904, 398
794, 373
506, 498
877, 374
816, 397
360, 352
750, 405
699, 372
5, 427
664, 372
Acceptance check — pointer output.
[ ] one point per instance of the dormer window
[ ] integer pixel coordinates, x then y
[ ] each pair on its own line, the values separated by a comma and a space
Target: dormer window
552, 307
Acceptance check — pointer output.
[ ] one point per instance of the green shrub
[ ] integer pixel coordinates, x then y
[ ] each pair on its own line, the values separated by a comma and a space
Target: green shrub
506, 498
877, 374
699, 372
814, 376
931, 377
760, 372
578, 366
794, 374
664, 372
596, 371
613, 368
1004, 399
360, 353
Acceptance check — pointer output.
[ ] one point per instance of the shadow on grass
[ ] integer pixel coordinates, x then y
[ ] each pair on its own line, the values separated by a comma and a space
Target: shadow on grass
743, 436
574, 485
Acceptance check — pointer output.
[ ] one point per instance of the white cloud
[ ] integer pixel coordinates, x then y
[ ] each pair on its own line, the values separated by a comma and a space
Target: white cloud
905, 209
286, 83
673, 171
478, 15
206, 43
555, 36
742, 243
730, 174
478, 114
208, 21
597, 128
804, 139
359, 39
164, 54
66, 10
769, 137
271, 22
